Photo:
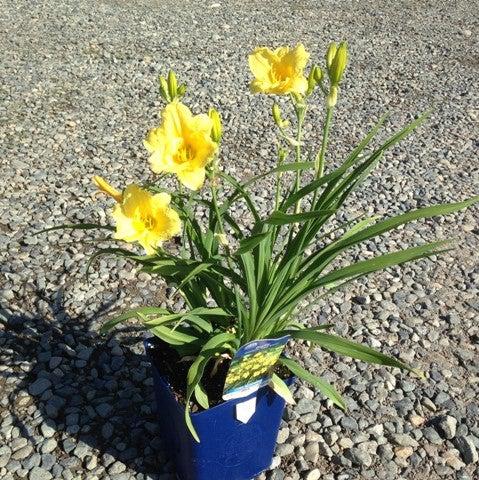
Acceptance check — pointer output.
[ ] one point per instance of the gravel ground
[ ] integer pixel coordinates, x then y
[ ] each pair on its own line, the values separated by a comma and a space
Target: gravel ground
78, 93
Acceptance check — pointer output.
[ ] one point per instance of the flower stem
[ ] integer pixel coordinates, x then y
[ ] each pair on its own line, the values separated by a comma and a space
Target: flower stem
229, 261
324, 144
300, 111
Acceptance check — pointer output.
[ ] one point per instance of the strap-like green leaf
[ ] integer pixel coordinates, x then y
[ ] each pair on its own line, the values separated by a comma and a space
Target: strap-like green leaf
132, 313
386, 225
214, 345
383, 261
339, 345
280, 218
248, 243
324, 387
76, 226
201, 396
178, 337
278, 385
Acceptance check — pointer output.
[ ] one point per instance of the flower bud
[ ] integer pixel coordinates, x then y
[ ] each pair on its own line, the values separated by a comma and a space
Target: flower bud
318, 74
164, 89
277, 114
216, 129
172, 85
330, 54
338, 65
181, 90
311, 81
332, 98
277, 117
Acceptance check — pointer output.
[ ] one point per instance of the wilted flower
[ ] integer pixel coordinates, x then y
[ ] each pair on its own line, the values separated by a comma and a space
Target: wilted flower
182, 145
141, 216
279, 71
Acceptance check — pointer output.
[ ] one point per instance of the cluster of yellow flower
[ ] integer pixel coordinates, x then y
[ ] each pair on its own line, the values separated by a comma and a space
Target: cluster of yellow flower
253, 367
185, 144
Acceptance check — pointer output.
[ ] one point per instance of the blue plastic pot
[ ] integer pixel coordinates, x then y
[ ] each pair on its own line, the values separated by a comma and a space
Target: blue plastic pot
229, 449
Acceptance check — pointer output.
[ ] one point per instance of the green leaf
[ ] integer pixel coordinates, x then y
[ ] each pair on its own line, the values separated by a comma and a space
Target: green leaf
214, 345
130, 314
76, 226
174, 337
278, 385
243, 193
201, 396
247, 244
324, 387
339, 345
202, 267
381, 262
280, 218
386, 225
291, 167
247, 265
193, 315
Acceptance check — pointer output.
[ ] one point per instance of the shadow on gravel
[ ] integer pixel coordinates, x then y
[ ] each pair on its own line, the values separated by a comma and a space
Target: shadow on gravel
94, 397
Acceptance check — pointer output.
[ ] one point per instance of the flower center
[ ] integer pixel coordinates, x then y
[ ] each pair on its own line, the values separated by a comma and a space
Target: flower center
148, 221
282, 71
185, 153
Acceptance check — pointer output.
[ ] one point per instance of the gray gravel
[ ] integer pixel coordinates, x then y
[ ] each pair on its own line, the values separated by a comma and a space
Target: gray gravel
78, 93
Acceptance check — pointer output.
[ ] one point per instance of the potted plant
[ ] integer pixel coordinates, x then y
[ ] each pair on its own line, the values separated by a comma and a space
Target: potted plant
221, 376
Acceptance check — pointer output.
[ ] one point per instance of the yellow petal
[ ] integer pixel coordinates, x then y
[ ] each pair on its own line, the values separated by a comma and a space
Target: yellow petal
260, 62
125, 229
105, 187
192, 179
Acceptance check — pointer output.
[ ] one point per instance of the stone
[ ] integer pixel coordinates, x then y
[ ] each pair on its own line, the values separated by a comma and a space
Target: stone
38, 473
117, 467
432, 436
452, 458
306, 405
49, 445
39, 386
283, 435
416, 420
404, 440
47, 430
466, 447
403, 452
284, 449
313, 474
359, 457
448, 426
349, 423
22, 453
311, 453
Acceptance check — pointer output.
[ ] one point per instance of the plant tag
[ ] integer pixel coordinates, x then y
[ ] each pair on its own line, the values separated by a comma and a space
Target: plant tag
252, 367
245, 410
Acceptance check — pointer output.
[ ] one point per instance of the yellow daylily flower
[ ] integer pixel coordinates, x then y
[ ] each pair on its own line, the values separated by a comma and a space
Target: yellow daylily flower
182, 145
141, 216
279, 71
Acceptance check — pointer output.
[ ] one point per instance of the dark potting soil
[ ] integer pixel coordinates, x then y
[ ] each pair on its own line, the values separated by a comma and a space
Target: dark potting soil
169, 363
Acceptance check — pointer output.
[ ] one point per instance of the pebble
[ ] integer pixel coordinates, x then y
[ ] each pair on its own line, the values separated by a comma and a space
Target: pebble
359, 457
39, 386
467, 448
448, 426
38, 473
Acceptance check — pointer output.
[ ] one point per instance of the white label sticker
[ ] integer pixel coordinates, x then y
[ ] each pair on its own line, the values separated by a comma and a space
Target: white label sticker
245, 410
